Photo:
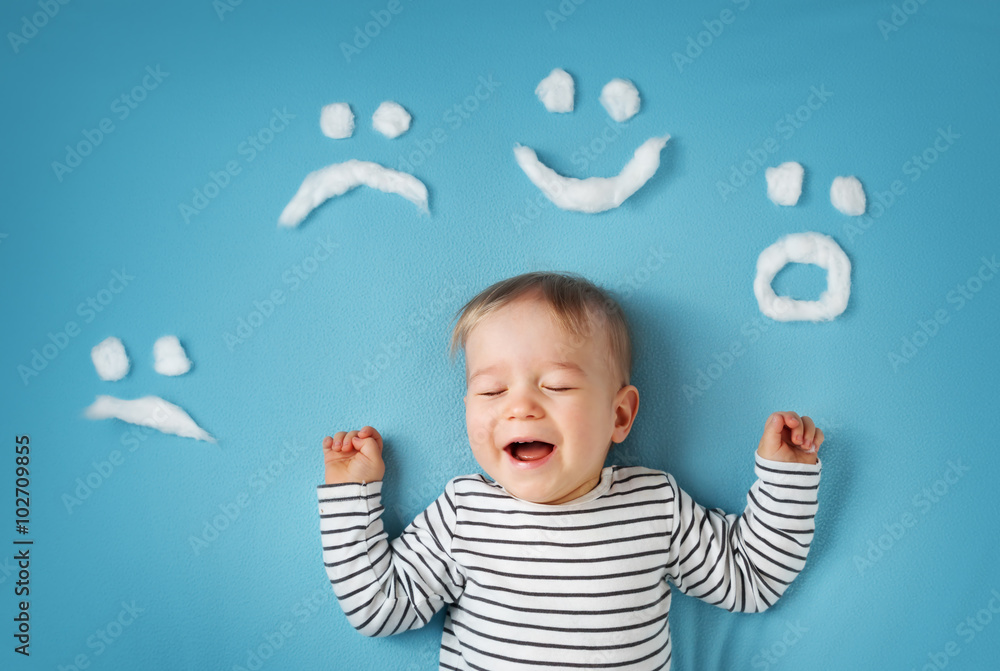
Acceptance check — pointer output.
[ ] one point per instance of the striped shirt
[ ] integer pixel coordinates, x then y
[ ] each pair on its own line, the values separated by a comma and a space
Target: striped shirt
579, 585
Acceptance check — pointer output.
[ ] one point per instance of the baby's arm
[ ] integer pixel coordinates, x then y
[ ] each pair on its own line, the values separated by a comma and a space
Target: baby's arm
745, 563
387, 587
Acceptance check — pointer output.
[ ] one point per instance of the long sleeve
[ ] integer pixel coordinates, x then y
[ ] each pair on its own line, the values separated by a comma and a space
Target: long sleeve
744, 563
387, 587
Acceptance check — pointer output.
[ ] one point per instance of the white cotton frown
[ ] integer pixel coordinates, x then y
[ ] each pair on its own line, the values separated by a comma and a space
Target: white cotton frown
151, 411
391, 119
339, 178
594, 194
556, 91
621, 99
110, 359
169, 356
336, 120
784, 183
847, 195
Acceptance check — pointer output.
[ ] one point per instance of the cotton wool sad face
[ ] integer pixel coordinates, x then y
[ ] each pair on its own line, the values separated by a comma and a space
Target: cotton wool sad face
336, 179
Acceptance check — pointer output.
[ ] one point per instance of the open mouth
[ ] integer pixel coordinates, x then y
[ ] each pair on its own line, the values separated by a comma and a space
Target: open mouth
529, 451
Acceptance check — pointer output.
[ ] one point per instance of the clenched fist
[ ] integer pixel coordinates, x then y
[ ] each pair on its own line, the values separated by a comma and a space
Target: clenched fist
353, 456
788, 437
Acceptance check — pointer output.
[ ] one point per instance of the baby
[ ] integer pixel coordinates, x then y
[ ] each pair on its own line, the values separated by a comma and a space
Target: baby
554, 559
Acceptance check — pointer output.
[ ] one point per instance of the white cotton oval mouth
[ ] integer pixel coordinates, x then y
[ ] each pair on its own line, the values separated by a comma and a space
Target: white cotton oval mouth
593, 194
813, 248
339, 178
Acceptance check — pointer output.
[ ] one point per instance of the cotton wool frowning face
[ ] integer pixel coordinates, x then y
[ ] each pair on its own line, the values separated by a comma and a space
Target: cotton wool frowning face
112, 364
337, 122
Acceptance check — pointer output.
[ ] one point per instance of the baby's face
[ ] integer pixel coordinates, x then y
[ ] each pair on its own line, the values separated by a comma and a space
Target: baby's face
529, 379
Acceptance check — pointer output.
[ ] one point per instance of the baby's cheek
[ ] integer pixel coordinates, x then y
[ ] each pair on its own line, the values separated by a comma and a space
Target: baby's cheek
478, 427
602, 418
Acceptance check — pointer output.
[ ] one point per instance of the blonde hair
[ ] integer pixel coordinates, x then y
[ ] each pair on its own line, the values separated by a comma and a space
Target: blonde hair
577, 302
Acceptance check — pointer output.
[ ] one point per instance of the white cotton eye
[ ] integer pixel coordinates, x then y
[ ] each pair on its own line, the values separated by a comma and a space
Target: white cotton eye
391, 119
556, 91
621, 99
847, 195
110, 359
336, 120
784, 183
170, 358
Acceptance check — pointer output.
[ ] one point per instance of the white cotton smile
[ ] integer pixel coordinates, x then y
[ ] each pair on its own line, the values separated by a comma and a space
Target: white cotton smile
593, 194
339, 178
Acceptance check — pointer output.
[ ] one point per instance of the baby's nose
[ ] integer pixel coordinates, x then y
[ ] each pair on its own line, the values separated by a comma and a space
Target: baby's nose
524, 403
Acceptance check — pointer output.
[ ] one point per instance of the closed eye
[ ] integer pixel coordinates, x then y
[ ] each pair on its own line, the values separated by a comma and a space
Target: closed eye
497, 393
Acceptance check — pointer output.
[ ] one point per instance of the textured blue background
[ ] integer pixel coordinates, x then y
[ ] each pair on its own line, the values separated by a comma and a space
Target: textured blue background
362, 340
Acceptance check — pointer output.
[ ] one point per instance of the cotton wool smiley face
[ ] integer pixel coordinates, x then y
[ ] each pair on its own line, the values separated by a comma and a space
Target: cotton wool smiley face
337, 122
591, 194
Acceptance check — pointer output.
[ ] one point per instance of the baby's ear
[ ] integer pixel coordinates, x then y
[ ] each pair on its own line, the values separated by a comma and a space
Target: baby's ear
625, 412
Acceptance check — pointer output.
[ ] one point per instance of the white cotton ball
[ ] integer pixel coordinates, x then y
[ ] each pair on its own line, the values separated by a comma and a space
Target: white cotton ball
784, 183
110, 359
847, 195
621, 99
169, 357
556, 91
391, 119
336, 120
